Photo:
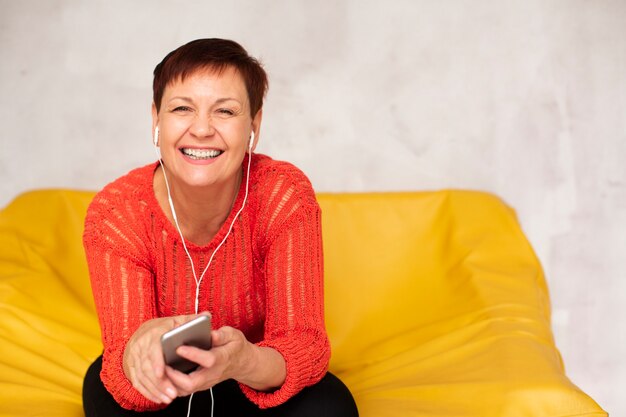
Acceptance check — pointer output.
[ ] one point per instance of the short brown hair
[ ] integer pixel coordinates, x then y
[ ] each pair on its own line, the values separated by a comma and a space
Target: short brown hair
216, 55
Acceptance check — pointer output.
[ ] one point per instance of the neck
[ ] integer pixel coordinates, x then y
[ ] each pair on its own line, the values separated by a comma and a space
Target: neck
200, 212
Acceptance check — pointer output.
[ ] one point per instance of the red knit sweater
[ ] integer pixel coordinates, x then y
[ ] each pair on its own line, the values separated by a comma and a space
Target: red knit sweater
266, 280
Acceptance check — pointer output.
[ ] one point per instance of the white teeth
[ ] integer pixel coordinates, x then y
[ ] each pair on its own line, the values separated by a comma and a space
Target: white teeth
201, 153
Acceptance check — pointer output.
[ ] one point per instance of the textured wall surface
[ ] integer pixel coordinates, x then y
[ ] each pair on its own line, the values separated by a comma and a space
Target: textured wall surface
526, 99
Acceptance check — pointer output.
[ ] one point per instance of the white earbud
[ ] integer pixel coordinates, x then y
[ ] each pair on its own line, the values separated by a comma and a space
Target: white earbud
156, 136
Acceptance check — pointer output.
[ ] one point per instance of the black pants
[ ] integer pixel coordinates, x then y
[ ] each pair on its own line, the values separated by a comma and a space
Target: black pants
328, 398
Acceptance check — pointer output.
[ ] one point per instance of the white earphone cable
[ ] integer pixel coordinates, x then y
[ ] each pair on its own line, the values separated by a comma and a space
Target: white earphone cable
193, 268
182, 238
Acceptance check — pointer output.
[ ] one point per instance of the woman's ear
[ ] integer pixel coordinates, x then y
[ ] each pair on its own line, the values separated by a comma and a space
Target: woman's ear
155, 124
256, 130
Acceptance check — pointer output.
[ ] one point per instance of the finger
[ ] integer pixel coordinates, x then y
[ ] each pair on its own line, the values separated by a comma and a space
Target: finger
165, 386
212, 364
199, 380
157, 387
223, 335
157, 393
137, 380
134, 373
154, 369
217, 337
157, 360
181, 381
204, 358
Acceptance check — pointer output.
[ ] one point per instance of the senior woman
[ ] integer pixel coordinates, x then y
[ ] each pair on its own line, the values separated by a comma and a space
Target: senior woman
210, 228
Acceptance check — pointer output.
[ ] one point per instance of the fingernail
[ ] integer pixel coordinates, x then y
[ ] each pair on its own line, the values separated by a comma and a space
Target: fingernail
170, 392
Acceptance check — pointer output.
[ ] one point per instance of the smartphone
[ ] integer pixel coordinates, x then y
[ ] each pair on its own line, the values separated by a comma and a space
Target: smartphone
196, 332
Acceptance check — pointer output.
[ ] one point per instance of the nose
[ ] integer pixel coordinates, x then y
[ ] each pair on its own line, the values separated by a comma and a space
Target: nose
202, 126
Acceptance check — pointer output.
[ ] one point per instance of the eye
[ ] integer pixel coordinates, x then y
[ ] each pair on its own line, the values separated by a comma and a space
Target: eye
181, 109
225, 112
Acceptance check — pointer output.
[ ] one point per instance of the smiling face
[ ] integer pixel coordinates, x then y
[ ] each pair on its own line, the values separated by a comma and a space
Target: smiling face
204, 127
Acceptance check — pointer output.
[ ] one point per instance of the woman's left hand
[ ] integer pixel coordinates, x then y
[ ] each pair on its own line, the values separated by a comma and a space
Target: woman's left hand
230, 357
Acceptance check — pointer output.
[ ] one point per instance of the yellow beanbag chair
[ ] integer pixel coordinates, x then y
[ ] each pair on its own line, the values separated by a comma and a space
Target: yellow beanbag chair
435, 305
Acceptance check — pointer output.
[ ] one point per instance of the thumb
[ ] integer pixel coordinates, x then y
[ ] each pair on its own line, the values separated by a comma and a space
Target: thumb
225, 335
219, 337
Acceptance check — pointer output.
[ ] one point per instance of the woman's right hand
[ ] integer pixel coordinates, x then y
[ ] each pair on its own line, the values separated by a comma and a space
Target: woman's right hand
143, 362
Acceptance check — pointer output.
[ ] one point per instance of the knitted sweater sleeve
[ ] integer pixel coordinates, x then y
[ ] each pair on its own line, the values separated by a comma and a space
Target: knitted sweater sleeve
293, 267
122, 285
